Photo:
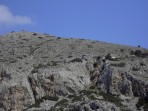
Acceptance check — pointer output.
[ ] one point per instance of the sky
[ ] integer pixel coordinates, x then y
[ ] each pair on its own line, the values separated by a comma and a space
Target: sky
115, 21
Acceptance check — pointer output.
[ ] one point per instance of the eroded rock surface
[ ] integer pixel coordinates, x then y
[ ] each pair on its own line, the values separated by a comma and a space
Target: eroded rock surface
35, 69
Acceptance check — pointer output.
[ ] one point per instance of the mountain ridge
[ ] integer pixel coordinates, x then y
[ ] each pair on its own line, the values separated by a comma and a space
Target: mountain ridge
37, 68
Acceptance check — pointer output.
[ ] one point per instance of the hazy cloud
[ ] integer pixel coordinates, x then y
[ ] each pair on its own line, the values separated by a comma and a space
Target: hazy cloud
8, 18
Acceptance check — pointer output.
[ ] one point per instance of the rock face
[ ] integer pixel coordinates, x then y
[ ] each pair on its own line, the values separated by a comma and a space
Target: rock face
116, 81
92, 106
43, 72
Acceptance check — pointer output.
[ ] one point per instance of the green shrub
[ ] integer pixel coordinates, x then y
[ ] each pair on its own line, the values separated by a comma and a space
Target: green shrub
62, 102
13, 61
132, 53
25, 39
92, 97
58, 37
108, 56
144, 55
52, 98
40, 37
76, 60
122, 50
114, 99
89, 92
121, 64
40, 66
142, 102
142, 64
19, 57
54, 63
70, 56
77, 98
37, 103
89, 46
135, 69
34, 34
125, 109
92, 87
34, 71
138, 53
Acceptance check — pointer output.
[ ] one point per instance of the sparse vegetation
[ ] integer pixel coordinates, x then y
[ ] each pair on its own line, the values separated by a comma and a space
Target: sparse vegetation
135, 68
109, 57
54, 63
12, 60
142, 64
72, 47
70, 56
25, 39
89, 91
92, 97
38, 101
144, 55
40, 66
19, 57
122, 50
139, 53
32, 50
114, 99
89, 46
142, 102
132, 52
77, 98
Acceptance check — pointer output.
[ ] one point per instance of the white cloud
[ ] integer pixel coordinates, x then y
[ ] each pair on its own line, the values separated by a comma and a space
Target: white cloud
8, 18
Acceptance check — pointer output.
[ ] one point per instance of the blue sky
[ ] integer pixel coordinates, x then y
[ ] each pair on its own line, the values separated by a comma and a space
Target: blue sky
115, 21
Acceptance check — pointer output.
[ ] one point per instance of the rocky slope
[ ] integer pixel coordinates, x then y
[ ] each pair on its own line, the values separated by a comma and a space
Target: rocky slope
39, 72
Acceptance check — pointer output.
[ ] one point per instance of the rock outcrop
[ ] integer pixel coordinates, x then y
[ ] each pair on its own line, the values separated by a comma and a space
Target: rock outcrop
43, 72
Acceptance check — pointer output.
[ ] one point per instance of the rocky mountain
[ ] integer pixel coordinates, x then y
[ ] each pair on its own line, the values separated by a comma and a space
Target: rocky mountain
39, 72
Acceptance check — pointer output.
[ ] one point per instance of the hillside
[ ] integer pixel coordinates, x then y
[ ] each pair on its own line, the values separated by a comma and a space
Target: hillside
39, 72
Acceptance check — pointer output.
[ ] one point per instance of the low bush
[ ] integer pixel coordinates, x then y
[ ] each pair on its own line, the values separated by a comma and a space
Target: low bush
77, 98
122, 50
76, 60
52, 98
114, 99
34, 34
135, 69
40, 66
138, 53
89, 91
132, 53
121, 64
89, 46
62, 102
142, 102
40, 37
54, 63
144, 55
58, 37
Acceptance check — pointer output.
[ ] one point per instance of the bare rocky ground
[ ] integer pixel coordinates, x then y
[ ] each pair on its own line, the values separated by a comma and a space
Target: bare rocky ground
39, 72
